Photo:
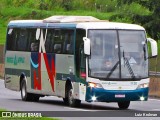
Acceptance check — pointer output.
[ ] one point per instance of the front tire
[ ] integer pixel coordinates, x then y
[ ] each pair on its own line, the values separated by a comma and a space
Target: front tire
65, 100
71, 101
124, 105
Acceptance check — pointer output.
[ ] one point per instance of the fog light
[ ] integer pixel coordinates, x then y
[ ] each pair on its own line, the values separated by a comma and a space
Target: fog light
142, 98
94, 98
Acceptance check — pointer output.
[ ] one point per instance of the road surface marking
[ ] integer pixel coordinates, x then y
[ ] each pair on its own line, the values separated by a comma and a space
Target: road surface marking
156, 109
76, 109
83, 109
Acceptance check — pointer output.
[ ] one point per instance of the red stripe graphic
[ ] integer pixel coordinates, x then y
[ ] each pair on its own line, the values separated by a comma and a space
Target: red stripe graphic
51, 72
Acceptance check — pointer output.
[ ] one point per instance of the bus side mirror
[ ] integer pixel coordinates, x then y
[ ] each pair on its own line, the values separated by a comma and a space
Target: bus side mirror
87, 46
153, 47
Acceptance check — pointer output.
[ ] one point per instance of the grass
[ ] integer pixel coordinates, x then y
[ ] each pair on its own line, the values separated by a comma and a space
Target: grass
1, 109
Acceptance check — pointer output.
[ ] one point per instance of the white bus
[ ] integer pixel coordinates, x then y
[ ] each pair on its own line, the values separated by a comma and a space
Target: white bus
78, 58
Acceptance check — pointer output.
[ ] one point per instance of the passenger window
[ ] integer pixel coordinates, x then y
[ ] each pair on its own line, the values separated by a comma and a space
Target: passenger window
22, 40
57, 48
68, 41
11, 39
33, 43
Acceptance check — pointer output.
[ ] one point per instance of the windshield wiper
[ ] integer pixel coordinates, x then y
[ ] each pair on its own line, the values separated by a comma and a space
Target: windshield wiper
112, 70
128, 67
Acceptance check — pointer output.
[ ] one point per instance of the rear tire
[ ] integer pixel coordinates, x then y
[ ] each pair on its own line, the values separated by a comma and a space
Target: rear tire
24, 95
124, 105
27, 96
35, 98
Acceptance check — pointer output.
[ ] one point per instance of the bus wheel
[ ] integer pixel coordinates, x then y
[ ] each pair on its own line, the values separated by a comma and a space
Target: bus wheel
35, 98
65, 100
24, 95
71, 101
124, 105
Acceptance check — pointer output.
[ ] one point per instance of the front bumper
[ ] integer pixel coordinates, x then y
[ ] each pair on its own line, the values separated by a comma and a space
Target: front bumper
102, 95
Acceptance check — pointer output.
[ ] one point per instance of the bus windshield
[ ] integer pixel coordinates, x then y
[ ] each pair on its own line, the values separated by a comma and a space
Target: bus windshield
118, 54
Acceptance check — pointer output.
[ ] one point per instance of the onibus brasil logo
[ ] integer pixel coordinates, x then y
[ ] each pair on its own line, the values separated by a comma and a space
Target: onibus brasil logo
20, 114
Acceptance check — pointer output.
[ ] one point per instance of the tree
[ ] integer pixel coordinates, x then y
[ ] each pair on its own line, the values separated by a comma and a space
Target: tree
150, 22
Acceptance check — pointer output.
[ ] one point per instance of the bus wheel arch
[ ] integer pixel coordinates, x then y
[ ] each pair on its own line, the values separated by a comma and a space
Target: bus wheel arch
25, 96
69, 95
67, 85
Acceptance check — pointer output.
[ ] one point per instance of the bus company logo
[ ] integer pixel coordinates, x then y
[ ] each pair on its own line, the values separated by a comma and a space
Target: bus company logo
6, 114
120, 88
15, 60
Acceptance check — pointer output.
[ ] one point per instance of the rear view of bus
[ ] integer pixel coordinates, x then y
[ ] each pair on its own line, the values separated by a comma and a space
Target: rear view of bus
99, 61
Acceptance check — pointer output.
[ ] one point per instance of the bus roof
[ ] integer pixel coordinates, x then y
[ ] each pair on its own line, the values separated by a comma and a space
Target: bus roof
109, 25
39, 24
69, 19
83, 22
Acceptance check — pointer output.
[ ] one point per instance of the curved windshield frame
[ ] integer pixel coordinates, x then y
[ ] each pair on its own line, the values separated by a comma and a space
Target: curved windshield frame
109, 54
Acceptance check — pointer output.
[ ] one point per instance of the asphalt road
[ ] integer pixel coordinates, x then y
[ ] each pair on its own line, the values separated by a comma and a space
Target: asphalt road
11, 101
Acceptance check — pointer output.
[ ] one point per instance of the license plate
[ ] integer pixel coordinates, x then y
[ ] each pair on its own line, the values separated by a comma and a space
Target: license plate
120, 96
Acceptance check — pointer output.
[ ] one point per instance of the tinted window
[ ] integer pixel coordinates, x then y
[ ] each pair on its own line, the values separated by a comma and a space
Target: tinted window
20, 39
59, 41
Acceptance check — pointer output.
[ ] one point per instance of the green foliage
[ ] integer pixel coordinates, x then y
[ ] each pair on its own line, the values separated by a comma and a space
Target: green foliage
151, 21
143, 12
130, 11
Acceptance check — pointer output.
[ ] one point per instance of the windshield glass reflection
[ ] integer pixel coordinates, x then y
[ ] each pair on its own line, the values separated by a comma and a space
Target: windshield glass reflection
104, 54
110, 60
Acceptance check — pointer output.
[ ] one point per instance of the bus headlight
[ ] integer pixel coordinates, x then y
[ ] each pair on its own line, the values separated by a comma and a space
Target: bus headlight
96, 85
142, 98
94, 98
144, 85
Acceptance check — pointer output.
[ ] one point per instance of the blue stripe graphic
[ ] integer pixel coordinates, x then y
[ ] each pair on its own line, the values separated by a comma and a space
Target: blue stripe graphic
34, 65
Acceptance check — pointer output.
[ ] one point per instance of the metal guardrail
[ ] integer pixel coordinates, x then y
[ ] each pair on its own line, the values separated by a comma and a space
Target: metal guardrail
153, 73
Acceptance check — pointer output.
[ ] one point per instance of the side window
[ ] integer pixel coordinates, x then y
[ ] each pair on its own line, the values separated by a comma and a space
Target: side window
80, 60
33, 43
17, 39
49, 44
22, 40
11, 39
68, 41
58, 41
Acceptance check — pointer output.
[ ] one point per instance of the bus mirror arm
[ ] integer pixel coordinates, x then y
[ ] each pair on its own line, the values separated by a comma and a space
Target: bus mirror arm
154, 49
87, 46
152, 57
145, 58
